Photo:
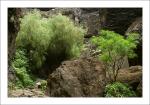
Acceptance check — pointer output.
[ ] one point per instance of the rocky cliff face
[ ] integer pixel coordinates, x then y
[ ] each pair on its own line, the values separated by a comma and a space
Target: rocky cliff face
119, 19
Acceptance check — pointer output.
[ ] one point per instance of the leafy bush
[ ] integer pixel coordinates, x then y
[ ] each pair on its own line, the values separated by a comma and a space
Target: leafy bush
114, 48
56, 37
34, 35
67, 39
119, 90
21, 66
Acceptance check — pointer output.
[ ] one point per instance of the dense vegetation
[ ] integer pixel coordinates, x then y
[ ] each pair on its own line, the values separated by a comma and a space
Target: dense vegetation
44, 36
54, 39
114, 48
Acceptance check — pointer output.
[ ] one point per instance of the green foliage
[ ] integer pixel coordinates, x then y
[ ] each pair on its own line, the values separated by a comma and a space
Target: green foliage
55, 36
43, 85
114, 48
67, 38
23, 75
34, 35
119, 90
20, 59
21, 67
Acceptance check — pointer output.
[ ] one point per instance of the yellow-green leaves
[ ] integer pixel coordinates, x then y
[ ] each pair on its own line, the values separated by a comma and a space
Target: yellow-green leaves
43, 37
67, 38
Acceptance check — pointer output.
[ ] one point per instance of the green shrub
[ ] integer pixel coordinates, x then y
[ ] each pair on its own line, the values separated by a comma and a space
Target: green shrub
114, 47
119, 90
34, 36
21, 66
55, 37
67, 39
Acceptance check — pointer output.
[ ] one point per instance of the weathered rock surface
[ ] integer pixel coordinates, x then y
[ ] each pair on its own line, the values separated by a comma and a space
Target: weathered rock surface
131, 76
91, 21
120, 19
77, 78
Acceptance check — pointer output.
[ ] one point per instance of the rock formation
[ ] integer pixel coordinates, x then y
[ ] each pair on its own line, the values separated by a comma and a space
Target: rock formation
77, 78
120, 19
133, 77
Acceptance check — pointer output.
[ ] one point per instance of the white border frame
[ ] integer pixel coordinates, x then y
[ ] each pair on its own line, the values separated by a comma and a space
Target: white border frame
99, 4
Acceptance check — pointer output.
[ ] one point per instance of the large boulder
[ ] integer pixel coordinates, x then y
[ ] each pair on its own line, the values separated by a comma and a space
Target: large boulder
77, 78
132, 76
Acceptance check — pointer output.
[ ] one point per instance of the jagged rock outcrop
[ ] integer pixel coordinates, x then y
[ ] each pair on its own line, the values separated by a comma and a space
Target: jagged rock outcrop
131, 76
136, 26
77, 78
